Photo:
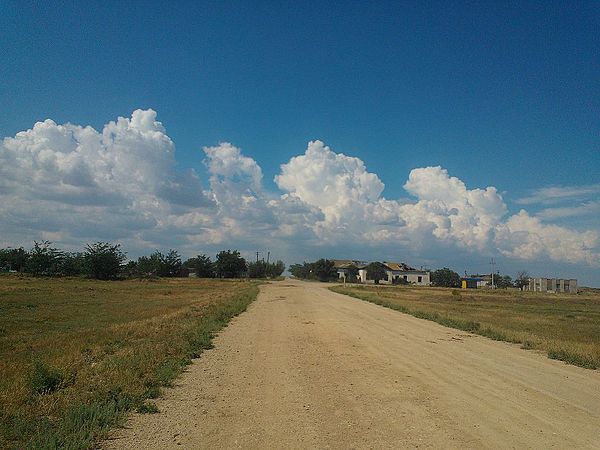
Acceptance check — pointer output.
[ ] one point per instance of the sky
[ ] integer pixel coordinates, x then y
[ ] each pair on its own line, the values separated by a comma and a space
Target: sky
434, 133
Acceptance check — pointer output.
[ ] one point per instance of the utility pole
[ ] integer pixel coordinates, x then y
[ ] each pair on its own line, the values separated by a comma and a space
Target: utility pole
268, 256
493, 263
257, 256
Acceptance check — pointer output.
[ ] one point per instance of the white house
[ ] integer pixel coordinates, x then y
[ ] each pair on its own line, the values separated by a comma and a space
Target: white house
397, 271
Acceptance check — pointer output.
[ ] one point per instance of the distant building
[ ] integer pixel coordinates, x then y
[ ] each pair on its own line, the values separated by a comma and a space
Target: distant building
553, 285
344, 266
394, 272
476, 281
397, 271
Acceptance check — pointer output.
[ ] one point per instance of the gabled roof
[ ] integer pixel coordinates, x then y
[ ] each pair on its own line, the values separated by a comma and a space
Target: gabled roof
398, 266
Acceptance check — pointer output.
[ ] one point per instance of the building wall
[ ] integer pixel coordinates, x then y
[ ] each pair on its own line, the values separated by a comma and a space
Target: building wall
420, 278
552, 285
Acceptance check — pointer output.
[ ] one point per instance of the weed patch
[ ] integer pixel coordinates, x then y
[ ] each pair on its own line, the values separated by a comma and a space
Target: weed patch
103, 349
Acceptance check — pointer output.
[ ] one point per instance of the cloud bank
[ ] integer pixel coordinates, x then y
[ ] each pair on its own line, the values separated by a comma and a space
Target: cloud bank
73, 184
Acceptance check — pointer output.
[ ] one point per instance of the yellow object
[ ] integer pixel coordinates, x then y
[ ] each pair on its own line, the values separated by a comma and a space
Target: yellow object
464, 284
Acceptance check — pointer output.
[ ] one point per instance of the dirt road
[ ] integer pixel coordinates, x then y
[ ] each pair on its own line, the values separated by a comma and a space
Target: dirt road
308, 368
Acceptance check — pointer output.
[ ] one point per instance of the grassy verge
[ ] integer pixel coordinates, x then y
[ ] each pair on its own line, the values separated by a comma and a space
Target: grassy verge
77, 355
566, 327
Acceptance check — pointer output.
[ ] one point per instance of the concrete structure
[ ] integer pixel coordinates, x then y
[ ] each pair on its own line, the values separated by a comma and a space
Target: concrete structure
476, 282
345, 266
397, 271
553, 285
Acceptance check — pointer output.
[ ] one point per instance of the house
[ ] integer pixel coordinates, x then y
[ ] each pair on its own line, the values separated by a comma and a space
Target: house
553, 285
344, 266
397, 271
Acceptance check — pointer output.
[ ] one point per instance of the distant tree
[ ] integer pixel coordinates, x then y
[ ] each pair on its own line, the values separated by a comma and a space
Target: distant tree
502, 281
201, 265
130, 269
303, 271
324, 270
171, 264
150, 266
13, 259
275, 269
522, 279
352, 274
103, 260
72, 264
445, 278
257, 269
376, 271
262, 269
229, 264
44, 259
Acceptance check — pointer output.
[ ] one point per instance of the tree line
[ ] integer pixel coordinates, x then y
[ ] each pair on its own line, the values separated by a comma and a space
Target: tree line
106, 261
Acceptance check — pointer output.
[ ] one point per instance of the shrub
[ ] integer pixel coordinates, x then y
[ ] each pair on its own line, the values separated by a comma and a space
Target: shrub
45, 379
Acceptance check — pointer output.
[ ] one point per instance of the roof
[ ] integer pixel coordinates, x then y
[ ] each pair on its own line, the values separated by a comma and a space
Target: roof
401, 267
347, 263
343, 263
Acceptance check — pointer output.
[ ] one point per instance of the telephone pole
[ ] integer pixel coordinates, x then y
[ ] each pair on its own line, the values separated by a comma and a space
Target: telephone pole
257, 256
493, 263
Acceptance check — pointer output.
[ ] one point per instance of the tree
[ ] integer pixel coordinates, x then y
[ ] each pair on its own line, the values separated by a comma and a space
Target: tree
376, 271
257, 269
275, 269
262, 269
522, 279
103, 260
324, 270
351, 274
43, 259
171, 264
72, 264
303, 271
201, 265
230, 264
502, 281
445, 278
13, 259
151, 265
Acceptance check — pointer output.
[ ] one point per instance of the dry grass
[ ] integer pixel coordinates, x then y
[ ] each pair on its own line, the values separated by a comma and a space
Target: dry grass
565, 326
76, 354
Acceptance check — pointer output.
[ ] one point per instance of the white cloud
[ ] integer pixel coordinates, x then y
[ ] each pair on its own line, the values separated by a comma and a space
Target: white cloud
585, 209
526, 237
74, 184
557, 194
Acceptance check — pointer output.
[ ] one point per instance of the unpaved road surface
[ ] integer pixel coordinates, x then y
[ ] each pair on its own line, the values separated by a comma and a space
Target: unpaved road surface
308, 368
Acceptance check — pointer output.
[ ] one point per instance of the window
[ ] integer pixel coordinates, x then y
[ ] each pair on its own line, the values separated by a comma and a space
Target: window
405, 277
419, 279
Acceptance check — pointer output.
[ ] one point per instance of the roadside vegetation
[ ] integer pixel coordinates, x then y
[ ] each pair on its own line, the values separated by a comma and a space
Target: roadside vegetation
77, 354
564, 326
107, 261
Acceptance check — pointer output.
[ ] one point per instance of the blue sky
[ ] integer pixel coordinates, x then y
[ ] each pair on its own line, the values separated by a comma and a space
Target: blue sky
499, 94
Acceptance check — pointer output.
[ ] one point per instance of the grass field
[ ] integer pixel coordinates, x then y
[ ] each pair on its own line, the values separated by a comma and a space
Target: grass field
565, 326
76, 355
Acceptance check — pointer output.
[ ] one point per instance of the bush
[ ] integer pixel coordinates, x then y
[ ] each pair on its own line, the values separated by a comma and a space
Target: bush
45, 379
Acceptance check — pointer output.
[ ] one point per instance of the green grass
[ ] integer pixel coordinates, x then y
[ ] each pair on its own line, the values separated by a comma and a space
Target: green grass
76, 355
565, 326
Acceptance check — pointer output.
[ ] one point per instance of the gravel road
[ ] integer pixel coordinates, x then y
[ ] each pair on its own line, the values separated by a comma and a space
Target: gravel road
308, 368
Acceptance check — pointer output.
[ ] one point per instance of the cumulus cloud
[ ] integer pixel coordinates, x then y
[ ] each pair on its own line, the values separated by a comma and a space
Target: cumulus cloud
526, 237
73, 184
